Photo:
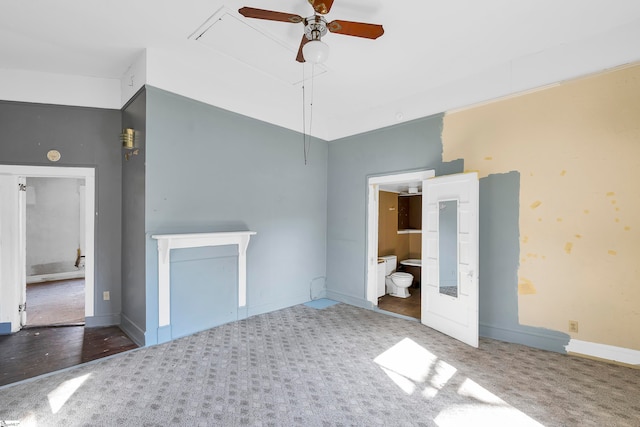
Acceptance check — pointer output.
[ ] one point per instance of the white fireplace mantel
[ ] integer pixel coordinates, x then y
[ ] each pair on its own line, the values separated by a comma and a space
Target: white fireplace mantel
166, 242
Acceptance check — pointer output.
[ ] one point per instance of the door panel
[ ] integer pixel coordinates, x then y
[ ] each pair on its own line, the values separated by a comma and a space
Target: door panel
22, 247
450, 256
10, 276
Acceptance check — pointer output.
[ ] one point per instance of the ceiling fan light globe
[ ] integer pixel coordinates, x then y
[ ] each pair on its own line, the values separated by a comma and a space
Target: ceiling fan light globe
315, 51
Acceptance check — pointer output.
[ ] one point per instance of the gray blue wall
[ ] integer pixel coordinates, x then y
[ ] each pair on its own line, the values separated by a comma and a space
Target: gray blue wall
411, 146
86, 137
209, 170
133, 223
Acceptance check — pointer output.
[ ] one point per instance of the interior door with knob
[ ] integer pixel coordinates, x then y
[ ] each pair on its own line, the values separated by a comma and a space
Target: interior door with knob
12, 251
450, 256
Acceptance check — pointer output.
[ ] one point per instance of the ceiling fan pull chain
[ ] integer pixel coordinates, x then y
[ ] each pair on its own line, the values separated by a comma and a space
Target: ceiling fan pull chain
304, 117
307, 145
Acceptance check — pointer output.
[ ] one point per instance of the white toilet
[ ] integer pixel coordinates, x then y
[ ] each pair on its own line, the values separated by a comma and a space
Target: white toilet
397, 283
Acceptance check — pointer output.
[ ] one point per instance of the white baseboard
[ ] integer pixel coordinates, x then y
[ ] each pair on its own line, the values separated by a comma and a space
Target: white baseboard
55, 276
605, 352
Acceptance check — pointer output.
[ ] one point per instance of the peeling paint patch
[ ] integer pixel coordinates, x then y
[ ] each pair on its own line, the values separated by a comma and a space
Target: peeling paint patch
488, 158
578, 236
617, 219
611, 194
612, 252
563, 173
559, 219
525, 239
627, 228
530, 255
539, 219
617, 209
535, 204
586, 211
525, 287
613, 202
568, 247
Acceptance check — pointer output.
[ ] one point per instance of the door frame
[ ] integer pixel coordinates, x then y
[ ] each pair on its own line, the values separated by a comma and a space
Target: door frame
83, 173
373, 202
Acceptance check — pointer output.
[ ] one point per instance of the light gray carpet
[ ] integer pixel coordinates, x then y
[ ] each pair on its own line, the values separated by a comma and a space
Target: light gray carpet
337, 366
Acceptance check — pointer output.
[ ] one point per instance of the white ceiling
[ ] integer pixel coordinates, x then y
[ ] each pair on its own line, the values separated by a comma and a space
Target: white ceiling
434, 56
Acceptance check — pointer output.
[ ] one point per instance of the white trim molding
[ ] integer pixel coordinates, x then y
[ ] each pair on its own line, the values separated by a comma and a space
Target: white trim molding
89, 176
166, 242
603, 351
373, 203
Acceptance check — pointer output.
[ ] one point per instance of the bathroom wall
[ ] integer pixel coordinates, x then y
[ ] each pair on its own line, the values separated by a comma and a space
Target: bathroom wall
415, 245
387, 223
573, 153
389, 241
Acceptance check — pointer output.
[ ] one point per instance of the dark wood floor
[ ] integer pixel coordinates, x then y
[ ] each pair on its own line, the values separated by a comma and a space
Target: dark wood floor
36, 351
405, 306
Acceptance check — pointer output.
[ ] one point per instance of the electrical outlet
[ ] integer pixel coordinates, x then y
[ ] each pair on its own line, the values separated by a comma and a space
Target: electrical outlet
573, 326
106, 296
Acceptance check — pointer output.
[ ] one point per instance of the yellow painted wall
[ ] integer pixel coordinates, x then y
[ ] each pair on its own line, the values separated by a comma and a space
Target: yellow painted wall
387, 223
577, 149
389, 241
415, 246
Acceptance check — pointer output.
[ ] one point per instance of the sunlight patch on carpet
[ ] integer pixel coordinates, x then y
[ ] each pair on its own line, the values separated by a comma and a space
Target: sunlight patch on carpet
410, 365
62, 393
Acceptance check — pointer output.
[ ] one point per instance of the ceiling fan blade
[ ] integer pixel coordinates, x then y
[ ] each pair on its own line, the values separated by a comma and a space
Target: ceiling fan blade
300, 57
357, 29
321, 6
250, 12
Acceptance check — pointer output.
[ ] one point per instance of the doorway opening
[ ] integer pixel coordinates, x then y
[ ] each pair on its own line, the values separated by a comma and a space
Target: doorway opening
15, 181
55, 251
390, 232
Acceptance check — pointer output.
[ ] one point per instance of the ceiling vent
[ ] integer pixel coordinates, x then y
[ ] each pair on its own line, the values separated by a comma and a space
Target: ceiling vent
230, 35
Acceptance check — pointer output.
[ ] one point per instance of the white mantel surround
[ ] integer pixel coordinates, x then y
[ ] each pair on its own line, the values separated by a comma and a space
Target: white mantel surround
166, 242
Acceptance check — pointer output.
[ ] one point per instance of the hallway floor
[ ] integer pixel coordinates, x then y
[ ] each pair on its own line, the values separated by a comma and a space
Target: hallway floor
55, 303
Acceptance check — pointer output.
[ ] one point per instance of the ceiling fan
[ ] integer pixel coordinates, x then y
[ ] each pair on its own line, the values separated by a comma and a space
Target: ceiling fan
312, 49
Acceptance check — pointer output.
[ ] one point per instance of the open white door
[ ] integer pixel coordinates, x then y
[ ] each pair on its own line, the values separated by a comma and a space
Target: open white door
22, 248
12, 273
450, 256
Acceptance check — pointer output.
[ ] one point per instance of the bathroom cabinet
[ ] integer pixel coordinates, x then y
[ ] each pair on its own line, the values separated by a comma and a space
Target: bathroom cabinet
410, 212
403, 213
